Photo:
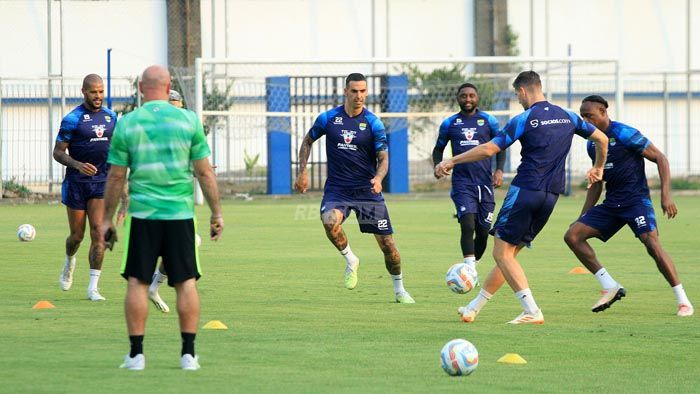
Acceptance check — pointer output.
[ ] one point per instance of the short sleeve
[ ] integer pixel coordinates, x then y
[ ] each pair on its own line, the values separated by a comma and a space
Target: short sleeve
118, 147
68, 125
379, 135
581, 127
443, 137
319, 128
632, 139
493, 125
514, 129
200, 147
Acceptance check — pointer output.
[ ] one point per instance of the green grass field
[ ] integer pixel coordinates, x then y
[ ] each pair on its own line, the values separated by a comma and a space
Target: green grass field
276, 282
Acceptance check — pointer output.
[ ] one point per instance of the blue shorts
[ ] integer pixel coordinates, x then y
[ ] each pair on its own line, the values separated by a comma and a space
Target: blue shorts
370, 210
476, 199
609, 220
75, 195
523, 215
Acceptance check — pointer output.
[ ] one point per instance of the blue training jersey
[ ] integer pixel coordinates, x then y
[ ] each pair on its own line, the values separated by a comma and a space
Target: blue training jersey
88, 134
352, 144
624, 176
545, 132
464, 133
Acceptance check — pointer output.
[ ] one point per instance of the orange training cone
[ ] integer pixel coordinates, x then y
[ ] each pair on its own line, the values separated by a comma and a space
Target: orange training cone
43, 305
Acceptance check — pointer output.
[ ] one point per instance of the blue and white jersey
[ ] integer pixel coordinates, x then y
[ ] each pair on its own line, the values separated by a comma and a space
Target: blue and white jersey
88, 134
464, 133
545, 132
352, 144
624, 176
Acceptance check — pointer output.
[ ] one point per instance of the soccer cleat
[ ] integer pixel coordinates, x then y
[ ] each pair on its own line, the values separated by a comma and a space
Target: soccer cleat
137, 363
609, 296
527, 318
157, 301
350, 278
189, 363
94, 295
685, 310
66, 278
404, 298
468, 315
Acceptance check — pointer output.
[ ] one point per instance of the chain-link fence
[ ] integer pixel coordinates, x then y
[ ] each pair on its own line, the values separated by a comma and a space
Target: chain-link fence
240, 112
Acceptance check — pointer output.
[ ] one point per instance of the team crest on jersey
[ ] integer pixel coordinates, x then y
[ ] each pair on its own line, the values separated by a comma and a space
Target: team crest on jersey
480, 122
338, 120
612, 142
347, 136
108, 119
99, 130
363, 126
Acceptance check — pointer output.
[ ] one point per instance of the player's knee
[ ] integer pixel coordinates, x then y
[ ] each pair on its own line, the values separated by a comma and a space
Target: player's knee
572, 237
467, 223
76, 236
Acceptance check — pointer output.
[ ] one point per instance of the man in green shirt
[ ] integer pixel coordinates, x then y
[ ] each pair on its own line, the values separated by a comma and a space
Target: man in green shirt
159, 144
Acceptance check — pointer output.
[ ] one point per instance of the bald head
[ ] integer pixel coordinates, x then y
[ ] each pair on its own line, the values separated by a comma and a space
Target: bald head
155, 83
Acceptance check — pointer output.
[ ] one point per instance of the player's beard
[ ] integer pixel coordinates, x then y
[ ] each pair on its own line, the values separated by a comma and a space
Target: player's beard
466, 110
94, 104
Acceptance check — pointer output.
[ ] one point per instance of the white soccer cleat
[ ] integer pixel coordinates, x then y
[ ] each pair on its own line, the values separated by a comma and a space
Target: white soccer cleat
350, 276
137, 363
189, 363
685, 310
66, 278
608, 297
527, 318
94, 295
468, 315
157, 301
404, 298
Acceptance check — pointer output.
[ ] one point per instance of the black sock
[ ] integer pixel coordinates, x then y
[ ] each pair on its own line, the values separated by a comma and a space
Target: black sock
136, 345
187, 343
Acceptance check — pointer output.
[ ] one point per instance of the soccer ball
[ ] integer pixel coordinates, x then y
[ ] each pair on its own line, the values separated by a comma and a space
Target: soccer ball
461, 278
26, 232
459, 357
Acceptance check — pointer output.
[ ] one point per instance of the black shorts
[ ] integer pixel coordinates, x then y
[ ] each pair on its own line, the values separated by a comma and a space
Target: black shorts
174, 240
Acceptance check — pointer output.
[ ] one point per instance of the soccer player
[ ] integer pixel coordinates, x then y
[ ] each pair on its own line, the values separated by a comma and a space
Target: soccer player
358, 160
545, 132
627, 201
81, 145
159, 144
160, 276
472, 191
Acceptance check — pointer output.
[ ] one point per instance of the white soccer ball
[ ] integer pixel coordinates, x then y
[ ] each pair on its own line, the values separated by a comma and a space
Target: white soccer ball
461, 278
459, 357
26, 232
197, 240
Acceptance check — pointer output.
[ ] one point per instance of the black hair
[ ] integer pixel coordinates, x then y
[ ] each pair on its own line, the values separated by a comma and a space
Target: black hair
354, 77
595, 99
467, 85
527, 79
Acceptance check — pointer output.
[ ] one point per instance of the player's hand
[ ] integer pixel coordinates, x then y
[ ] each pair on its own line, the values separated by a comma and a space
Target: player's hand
87, 169
594, 175
444, 168
108, 233
301, 184
376, 185
668, 207
498, 178
216, 227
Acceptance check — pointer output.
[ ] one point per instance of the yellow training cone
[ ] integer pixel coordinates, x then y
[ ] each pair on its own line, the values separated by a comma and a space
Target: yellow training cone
43, 305
578, 270
512, 358
215, 325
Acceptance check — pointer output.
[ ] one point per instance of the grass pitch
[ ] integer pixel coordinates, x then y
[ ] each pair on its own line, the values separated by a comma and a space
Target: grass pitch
276, 282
